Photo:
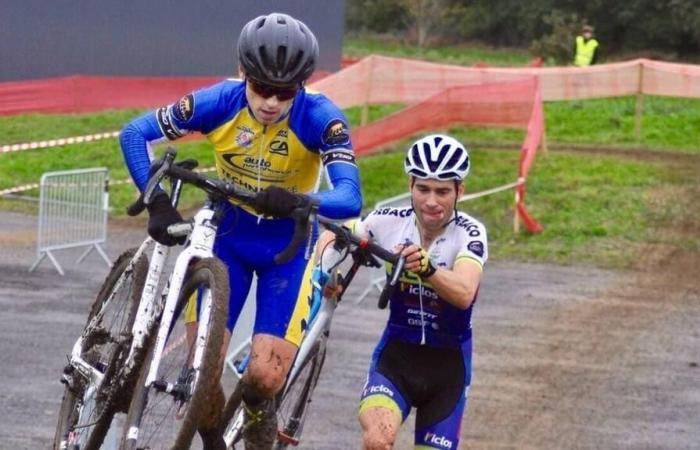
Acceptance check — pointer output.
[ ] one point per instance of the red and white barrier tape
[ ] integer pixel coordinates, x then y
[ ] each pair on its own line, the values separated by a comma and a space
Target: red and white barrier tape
7, 148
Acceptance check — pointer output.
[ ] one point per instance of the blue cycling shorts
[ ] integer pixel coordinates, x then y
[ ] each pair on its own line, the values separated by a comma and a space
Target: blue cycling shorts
434, 380
248, 245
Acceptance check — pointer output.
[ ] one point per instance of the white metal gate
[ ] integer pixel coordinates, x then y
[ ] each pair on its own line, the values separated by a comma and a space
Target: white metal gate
73, 208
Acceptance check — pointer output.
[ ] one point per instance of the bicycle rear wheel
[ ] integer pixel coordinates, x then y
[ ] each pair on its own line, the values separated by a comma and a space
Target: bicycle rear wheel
291, 405
87, 408
166, 414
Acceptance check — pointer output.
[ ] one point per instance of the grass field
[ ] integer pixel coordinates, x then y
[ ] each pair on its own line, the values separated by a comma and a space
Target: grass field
604, 210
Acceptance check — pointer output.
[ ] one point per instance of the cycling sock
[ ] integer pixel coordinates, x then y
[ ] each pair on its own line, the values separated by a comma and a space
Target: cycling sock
261, 421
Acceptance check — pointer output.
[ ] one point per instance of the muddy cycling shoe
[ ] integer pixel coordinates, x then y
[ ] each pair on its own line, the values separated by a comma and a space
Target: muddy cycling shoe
261, 426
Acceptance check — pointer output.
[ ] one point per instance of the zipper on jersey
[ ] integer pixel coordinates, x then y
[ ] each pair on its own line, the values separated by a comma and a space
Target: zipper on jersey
260, 153
422, 315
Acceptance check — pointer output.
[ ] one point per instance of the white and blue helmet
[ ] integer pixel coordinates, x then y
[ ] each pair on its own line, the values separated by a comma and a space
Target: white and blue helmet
437, 157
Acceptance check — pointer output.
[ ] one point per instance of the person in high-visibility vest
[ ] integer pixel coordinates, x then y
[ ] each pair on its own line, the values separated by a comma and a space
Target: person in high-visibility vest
586, 49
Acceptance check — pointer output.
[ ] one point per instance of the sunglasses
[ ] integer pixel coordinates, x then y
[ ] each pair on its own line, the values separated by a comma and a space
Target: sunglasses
266, 91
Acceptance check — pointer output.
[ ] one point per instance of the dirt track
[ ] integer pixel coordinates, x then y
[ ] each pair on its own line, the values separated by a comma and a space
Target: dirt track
565, 357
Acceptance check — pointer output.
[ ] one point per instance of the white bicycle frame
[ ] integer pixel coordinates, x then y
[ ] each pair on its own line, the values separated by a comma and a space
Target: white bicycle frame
201, 245
148, 311
319, 326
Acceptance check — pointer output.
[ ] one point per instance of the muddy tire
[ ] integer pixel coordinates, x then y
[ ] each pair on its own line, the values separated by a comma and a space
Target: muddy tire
87, 411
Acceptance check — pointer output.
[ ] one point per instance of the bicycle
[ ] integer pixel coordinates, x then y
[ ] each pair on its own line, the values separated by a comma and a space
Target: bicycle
171, 399
293, 400
106, 359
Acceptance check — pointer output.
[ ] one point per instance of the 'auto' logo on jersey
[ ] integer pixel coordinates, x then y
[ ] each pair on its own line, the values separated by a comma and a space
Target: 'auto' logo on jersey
442, 441
250, 162
252, 167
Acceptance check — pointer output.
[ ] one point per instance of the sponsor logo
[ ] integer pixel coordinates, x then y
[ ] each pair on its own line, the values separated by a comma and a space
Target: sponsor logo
392, 212
336, 133
416, 312
476, 247
245, 137
250, 166
381, 389
184, 109
422, 290
169, 130
433, 438
471, 227
279, 148
334, 156
278, 145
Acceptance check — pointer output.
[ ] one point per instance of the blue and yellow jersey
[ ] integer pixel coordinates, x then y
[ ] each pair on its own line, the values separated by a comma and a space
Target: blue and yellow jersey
290, 153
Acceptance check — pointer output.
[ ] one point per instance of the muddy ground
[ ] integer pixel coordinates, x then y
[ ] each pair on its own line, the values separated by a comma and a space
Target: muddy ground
564, 357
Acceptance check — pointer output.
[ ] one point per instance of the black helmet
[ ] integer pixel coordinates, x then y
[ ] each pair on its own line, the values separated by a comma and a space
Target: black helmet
277, 49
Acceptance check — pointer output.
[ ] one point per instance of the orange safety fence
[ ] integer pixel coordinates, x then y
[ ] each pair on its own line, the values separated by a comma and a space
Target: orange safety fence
515, 104
372, 80
81, 93
381, 79
436, 95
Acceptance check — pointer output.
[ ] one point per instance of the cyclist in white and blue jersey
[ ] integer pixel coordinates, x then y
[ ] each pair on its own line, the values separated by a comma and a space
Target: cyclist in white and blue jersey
423, 359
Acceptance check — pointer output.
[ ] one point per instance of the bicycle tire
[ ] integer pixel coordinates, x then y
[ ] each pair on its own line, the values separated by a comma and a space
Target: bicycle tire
291, 405
294, 403
152, 420
121, 290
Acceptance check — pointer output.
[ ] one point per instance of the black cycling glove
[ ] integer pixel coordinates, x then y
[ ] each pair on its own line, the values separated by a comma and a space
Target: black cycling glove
162, 214
278, 202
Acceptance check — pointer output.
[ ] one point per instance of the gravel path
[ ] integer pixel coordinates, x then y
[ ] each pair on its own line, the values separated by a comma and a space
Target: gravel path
564, 357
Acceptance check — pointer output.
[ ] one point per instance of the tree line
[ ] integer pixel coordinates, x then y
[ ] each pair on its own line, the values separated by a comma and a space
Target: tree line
668, 29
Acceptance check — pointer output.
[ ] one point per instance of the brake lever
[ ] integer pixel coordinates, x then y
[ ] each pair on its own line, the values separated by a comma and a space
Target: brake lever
302, 220
156, 173
159, 174
391, 283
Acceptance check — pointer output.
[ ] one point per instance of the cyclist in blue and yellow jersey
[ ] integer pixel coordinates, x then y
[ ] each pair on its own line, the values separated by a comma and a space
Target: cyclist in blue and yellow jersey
268, 134
423, 359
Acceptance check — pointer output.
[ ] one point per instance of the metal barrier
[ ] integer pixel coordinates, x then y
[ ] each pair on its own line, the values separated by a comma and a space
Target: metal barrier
73, 208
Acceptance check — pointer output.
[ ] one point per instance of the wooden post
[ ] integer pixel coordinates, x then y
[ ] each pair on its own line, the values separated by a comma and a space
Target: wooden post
543, 142
516, 218
639, 104
364, 114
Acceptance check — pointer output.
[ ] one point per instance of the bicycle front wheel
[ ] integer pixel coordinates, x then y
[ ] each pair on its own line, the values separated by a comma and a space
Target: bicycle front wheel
166, 414
291, 405
88, 406
294, 402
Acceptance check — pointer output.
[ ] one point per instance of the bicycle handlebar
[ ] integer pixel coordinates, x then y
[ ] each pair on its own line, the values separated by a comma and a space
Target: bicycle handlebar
369, 249
218, 189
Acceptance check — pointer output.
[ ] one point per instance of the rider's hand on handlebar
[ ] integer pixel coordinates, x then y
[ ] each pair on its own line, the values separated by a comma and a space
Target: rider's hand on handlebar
278, 202
161, 215
417, 260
